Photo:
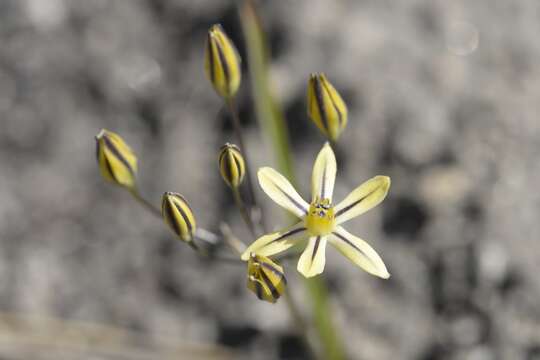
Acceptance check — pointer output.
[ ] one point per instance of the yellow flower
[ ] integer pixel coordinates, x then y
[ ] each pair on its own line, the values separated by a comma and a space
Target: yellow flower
117, 162
178, 216
326, 107
222, 62
265, 278
231, 165
320, 221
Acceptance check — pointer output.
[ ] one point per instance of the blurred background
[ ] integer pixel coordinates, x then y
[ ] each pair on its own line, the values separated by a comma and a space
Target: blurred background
443, 97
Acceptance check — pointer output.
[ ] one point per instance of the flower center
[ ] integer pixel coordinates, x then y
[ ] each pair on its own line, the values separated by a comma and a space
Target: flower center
320, 218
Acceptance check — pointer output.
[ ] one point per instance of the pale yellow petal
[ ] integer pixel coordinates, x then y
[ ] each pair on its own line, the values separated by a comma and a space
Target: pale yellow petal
276, 242
359, 252
279, 189
313, 258
324, 174
363, 198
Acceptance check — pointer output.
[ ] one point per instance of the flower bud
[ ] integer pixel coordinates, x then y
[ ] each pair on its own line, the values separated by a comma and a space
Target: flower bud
231, 165
326, 107
178, 215
265, 278
117, 162
222, 62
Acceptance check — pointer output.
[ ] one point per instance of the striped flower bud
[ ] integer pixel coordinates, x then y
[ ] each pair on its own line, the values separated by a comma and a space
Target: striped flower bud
231, 165
265, 278
326, 107
222, 62
117, 162
178, 215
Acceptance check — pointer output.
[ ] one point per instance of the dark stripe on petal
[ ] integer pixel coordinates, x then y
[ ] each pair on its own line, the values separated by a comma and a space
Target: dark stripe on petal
273, 290
296, 203
237, 165
227, 168
320, 102
184, 201
109, 168
315, 248
287, 234
170, 216
185, 217
333, 101
224, 65
117, 154
275, 271
258, 290
347, 208
350, 243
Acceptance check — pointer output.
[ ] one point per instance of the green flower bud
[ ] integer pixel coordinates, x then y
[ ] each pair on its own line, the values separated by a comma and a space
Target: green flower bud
178, 216
326, 107
231, 165
265, 278
222, 63
117, 162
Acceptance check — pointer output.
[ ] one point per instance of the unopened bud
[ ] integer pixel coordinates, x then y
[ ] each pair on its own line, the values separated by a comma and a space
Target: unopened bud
222, 62
265, 278
326, 107
178, 215
231, 165
117, 162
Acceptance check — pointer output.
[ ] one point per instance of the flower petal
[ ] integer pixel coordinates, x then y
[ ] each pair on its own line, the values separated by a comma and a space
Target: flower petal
363, 198
313, 258
324, 174
279, 189
359, 252
270, 244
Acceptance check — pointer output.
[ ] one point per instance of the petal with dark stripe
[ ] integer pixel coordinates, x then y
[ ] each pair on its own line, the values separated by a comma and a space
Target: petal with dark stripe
359, 252
222, 62
116, 160
313, 258
324, 174
178, 215
276, 242
265, 278
362, 199
279, 189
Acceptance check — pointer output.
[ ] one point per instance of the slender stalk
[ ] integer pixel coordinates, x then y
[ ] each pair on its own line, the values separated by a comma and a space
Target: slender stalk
299, 322
231, 104
145, 203
234, 243
200, 233
243, 210
273, 123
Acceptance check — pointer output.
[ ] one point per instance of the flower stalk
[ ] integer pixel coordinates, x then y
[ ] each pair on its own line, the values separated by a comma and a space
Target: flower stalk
231, 104
272, 120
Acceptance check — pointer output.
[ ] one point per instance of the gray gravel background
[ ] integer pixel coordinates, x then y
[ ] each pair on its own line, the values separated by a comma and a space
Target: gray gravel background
443, 97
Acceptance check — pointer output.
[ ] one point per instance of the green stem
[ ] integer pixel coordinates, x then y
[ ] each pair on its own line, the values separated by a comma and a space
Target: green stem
200, 234
239, 135
273, 123
145, 203
243, 210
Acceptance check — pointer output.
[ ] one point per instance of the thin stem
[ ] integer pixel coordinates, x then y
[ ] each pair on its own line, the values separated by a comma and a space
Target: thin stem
243, 210
299, 323
231, 104
145, 203
270, 114
240, 137
200, 233
234, 243
206, 236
